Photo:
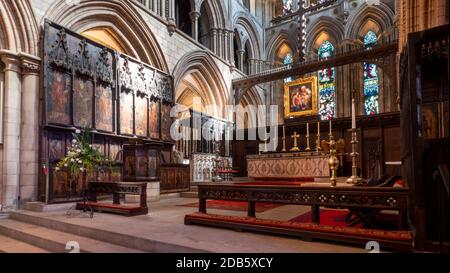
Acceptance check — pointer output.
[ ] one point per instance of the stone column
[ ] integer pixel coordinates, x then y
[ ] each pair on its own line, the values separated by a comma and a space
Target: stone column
194, 18
171, 14
29, 142
155, 6
231, 46
214, 41
221, 43
240, 54
163, 9
11, 122
225, 44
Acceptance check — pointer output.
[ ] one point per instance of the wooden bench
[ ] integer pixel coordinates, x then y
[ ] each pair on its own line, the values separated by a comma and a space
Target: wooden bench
306, 195
116, 189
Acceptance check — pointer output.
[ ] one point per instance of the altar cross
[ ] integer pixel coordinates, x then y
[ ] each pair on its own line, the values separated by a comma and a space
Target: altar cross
301, 12
295, 137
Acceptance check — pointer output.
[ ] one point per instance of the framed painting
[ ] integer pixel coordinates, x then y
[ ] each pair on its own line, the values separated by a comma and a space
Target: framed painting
83, 94
126, 113
154, 119
58, 98
300, 98
104, 108
141, 116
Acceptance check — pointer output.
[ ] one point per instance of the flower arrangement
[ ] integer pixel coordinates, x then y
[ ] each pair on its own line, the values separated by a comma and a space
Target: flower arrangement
82, 157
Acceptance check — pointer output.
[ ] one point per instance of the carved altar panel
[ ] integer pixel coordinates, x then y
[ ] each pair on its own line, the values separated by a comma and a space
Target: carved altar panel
86, 85
155, 119
141, 116
175, 178
83, 94
166, 122
58, 98
288, 167
141, 163
126, 113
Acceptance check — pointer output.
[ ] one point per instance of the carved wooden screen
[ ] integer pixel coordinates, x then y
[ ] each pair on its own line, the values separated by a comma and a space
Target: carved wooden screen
86, 85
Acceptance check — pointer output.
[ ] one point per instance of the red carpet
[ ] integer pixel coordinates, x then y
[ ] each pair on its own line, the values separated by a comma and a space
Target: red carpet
234, 205
265, 183
337, 218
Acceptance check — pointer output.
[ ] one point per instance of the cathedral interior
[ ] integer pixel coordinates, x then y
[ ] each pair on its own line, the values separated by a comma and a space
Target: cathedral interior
313, 125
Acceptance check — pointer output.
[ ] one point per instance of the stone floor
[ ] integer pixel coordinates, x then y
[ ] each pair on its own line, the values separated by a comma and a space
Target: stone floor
165, 224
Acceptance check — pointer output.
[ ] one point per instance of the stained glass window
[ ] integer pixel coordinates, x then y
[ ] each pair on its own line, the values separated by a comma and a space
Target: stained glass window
327, 89
287, 6
288, 60
371, 87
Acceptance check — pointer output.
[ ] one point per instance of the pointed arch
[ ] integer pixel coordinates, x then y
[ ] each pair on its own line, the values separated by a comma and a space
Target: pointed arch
206, 73
117, 15
324, 25
243, 23
381, 15
278, 41
20, 32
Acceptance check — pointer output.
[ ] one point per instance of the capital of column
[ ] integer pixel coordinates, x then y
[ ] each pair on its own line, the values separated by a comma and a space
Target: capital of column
240, 52
194, 15
31, 65
11, 61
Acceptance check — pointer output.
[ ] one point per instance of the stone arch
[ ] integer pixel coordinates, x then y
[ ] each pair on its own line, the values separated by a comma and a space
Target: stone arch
278, 41
243, 23
18, 27
251, 97
207, 75
324, 25
381, 15
118, 16
216, 12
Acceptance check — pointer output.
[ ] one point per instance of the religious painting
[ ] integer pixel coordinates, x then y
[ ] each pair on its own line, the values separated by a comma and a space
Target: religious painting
154, 119
126, 114
83, 92
104, 108
58, 98
430, 123
301, 98
56, 146
141, 116
166, 122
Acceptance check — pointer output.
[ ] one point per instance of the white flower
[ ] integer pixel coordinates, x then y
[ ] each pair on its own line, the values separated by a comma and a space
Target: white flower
78, 131
74, 141
65, 165
90, 145
82, 169
72, 160
57, 169
78, 150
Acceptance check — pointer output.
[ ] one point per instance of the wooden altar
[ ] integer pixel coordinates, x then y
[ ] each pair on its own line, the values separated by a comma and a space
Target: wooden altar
288, 165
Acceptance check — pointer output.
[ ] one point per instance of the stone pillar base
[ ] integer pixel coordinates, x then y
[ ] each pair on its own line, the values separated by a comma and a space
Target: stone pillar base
153, 194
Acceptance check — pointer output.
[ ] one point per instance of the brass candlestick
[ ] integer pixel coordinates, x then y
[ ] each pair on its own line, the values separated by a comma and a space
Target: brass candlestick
308, 145
333, 162
284, 145
354, 179
318, 143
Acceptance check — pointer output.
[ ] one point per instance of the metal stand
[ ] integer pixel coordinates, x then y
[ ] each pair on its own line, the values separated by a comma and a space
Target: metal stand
333, 162
87, 208
354, 179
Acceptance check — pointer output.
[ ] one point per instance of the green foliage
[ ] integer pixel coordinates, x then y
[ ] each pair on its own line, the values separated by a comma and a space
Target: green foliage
82, 157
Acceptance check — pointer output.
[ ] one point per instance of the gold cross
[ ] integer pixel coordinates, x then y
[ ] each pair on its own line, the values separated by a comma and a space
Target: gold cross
295, 137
